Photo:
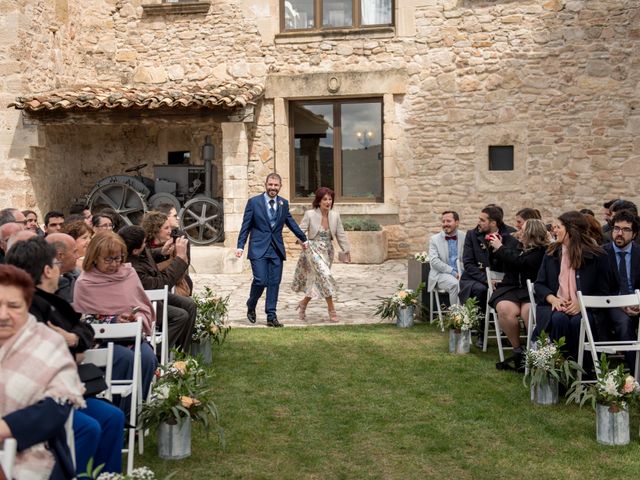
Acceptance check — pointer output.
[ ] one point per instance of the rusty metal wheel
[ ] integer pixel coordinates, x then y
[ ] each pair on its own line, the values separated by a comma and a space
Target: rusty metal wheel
202, 220
128, 203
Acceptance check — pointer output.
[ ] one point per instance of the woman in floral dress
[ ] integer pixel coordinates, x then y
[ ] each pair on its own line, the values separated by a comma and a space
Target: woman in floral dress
313, 271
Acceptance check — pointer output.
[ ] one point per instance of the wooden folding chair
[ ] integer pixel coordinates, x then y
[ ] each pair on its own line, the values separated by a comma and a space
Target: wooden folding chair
133, 386
8, 456
587, 341
162, 337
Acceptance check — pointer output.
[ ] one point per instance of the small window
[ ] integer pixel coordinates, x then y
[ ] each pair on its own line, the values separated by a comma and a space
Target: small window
179, 158
331, 14
501, 157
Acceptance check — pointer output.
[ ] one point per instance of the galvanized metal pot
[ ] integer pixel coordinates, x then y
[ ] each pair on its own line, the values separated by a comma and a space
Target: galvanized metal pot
404, 317
174, 441
203, 348
612, 428
545, 394
459, 341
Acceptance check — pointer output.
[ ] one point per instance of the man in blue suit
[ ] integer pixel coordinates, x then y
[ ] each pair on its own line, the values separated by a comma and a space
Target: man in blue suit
264, 217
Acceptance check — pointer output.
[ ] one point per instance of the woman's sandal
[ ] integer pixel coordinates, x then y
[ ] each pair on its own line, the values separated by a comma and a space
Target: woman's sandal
302, 311
333, 316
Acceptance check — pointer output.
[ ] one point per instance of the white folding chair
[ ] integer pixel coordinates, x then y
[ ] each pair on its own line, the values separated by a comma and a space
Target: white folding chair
491, 316
133, 386
532, 313
71, 439
587, 341
434, 293
103, 358
8, 456
162, 337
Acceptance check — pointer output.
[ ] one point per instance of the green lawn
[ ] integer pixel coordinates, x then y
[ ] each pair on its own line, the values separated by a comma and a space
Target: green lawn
384, 403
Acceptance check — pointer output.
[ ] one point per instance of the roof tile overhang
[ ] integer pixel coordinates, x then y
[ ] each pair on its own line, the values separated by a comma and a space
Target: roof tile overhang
227, 95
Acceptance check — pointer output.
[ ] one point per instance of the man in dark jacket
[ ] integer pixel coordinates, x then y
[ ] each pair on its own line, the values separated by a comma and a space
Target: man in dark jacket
477, 256
181, 310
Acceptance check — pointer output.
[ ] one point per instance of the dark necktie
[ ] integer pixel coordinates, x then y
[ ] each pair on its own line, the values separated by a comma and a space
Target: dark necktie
451, 237
622, 274
272, 212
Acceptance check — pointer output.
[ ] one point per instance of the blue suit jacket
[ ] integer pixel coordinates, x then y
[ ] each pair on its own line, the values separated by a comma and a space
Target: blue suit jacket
256, 226
634, 274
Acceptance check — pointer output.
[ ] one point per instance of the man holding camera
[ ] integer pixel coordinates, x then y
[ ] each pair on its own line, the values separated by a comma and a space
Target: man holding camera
477, 257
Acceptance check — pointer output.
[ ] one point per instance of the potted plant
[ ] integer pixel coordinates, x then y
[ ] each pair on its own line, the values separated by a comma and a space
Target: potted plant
210, 326
95, 473
401, 305
461, 319
179, 397
610, 396
367, 239
545, 368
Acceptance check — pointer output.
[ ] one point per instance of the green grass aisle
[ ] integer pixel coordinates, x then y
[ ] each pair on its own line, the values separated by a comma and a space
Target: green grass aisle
384, 403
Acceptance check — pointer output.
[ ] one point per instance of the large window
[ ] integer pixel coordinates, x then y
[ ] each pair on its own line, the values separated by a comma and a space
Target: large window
337, 144
329, 14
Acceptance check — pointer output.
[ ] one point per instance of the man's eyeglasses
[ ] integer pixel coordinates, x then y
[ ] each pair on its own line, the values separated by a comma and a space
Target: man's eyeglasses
23, 222
110, 260
106, 226
622, 230
57, 263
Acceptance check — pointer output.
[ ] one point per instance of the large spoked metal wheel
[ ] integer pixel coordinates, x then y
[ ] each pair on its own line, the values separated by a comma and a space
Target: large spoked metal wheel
124, 199
162, 198
202, 220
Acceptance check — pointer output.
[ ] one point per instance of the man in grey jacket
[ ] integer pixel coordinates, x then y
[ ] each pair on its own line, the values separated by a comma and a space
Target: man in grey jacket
445, 248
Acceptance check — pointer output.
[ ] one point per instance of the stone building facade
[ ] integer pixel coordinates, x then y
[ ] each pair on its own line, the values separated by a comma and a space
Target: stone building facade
556, 80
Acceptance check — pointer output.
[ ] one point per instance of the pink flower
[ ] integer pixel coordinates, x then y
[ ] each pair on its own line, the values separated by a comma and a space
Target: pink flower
629, 384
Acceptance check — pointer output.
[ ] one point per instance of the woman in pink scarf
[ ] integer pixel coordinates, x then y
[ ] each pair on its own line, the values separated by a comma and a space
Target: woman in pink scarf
109, 287
574, 262
39, 384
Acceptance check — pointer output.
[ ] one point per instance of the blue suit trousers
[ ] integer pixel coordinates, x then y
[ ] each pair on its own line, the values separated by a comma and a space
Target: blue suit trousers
267, 273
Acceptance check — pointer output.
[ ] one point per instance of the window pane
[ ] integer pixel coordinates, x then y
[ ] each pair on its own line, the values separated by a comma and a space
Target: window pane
298, 14
376, 12
501, 157
313, 144
362, 150
337, 13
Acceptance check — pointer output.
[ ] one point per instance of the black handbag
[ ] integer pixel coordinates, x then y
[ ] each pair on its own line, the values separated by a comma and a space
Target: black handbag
93, 379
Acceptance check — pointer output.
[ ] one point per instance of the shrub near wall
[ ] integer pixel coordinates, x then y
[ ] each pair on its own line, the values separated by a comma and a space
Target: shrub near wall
368, 241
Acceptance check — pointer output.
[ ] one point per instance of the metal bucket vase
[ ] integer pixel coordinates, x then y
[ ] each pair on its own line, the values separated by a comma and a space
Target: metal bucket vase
459, 341
612, 428
174, 441
545, 394
203, 348
404, 317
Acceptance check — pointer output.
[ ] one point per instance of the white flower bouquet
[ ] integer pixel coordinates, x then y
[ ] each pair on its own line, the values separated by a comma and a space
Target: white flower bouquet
545, 361
422, 257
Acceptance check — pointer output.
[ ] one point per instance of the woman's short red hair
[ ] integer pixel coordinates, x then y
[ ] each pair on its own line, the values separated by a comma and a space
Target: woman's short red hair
320, 193
12, 276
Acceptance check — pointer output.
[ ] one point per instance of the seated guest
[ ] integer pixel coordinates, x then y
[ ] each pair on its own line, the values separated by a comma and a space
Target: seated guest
67, 255
574, 262
624, 260
82, 234
174, 223
83, 210
114, 216
12, 215
19, 236
108, 286
445, 248
595, 229
157, 228
477, 257
101, 221
606, 226
511, 297
53, 222
98, 427
32, 222
6, 231
522, 216
39, 384
182, 310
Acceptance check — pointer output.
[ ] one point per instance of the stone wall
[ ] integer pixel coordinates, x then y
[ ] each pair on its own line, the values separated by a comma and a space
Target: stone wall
558, 79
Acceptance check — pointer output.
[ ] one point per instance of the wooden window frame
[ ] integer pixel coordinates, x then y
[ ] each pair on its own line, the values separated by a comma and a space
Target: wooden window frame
318, 27
337, 148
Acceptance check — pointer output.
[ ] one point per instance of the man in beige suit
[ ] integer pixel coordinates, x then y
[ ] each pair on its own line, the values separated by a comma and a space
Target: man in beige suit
445, 248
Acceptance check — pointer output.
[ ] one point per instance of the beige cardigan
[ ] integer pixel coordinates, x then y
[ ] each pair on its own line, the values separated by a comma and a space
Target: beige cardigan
311, 225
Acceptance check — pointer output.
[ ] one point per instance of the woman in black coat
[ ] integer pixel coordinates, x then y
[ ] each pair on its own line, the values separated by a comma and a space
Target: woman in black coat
574, 263
511, 297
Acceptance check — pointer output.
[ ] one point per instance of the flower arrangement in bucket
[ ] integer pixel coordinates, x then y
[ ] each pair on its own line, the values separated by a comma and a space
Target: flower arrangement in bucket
422, 257
401, 305
611, 396
461, 319
140, 473
546, 368
179, 396
210, 327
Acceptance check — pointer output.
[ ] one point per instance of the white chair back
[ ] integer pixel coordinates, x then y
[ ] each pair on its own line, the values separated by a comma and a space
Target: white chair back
491, 316
71, 439
133, 386
532, 312
587, 341
162, 337
8, 456
103, 358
